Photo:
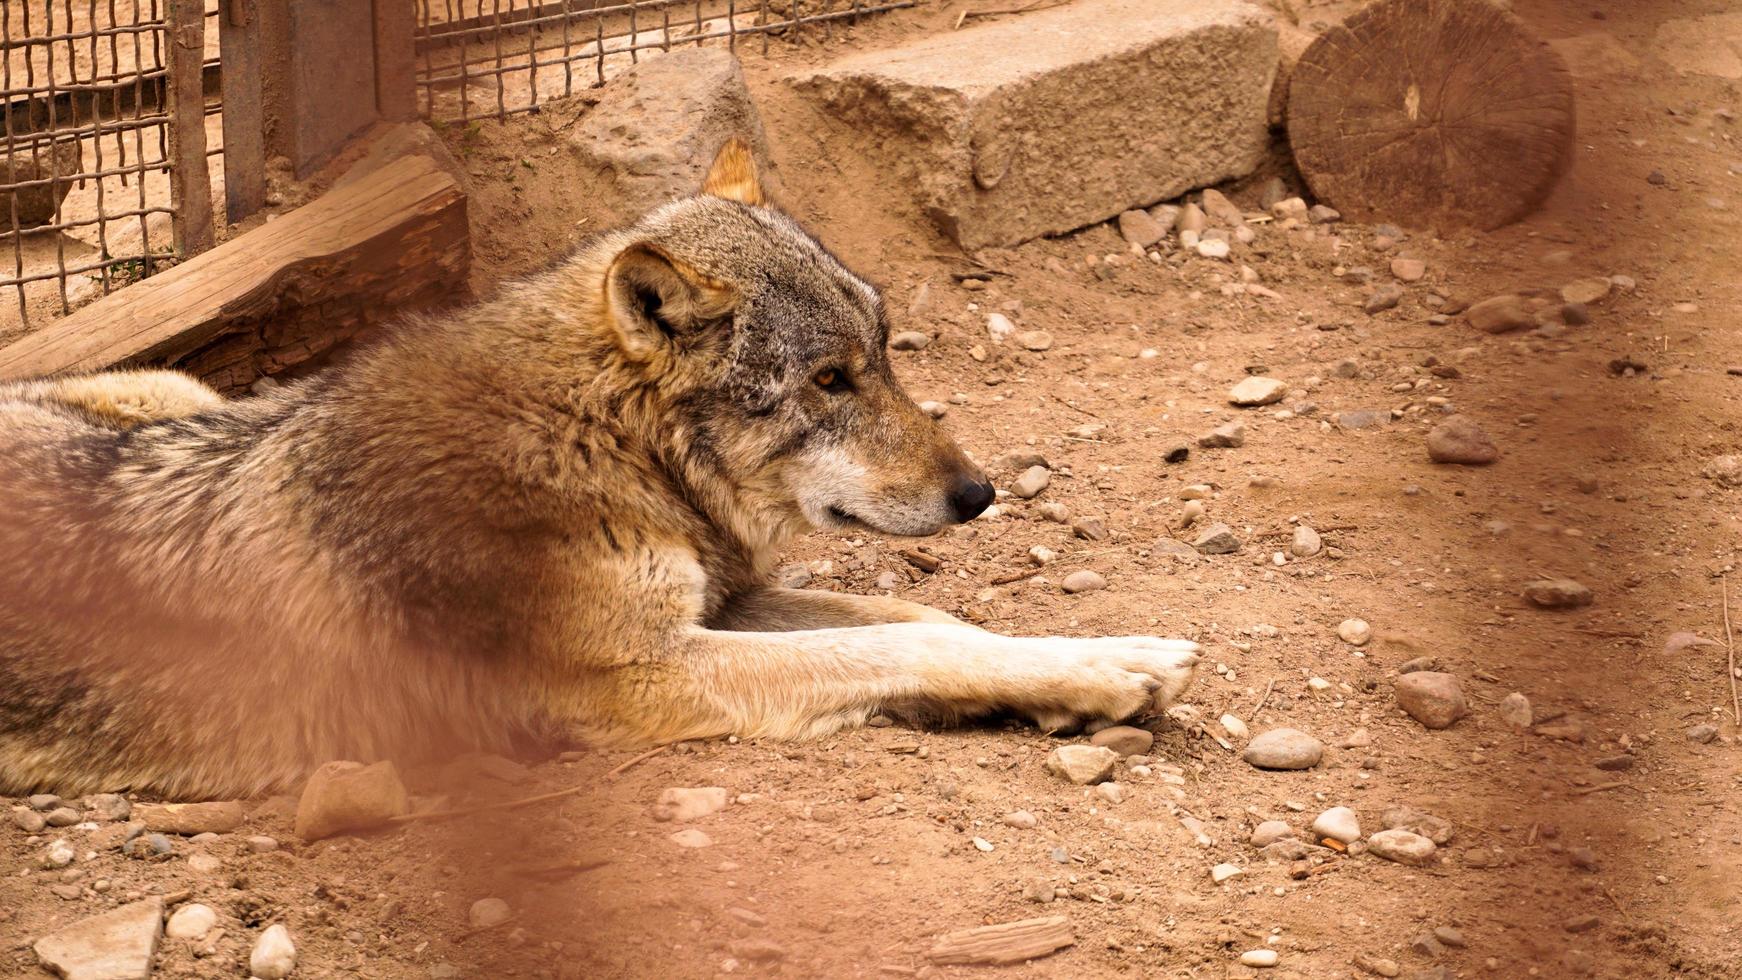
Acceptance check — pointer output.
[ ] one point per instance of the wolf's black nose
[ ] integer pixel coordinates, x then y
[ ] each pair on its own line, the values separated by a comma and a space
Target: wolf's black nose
970, 497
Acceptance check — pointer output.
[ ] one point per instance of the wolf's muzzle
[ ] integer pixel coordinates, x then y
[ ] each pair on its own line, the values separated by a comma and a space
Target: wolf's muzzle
970, 496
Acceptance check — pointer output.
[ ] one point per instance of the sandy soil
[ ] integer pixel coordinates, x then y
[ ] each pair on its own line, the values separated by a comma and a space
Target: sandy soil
848, 857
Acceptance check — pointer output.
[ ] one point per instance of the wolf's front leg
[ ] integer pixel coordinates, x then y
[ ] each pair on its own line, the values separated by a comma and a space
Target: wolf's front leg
809, 683
779, 610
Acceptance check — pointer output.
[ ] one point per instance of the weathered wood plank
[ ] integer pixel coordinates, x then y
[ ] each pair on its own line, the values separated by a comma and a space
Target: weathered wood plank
190, 183
1005, 943
395, 60
393, 240
244, 115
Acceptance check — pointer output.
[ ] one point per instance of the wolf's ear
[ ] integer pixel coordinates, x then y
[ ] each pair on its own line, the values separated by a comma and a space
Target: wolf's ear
733, 175
655, 299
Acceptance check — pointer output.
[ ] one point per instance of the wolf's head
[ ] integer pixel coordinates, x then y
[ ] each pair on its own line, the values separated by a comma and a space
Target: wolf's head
773, 359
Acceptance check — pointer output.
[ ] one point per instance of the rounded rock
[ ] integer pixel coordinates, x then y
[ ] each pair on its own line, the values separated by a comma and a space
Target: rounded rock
1081, 764
488, 912
1461, 441
1402, 846
191, 921
1558, 593
1124, 740
1269, 832
1354, 632
1260, 958
1284, 748
1435, 699
1255, 391
1339, 823
274, 955
1083, 580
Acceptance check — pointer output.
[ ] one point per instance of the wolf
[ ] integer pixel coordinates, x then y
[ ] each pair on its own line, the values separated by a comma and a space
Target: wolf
552, 515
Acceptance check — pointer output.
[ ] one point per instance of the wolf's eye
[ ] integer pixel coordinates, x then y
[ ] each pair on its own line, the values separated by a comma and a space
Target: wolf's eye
832, 380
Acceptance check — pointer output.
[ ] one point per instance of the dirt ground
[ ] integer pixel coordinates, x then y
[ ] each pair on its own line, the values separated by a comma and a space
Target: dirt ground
847, 857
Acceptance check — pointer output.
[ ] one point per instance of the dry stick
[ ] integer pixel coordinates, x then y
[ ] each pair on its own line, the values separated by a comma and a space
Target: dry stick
1618, 906
1730, 653
1266, 696
1600, 787
528, 801
643, 757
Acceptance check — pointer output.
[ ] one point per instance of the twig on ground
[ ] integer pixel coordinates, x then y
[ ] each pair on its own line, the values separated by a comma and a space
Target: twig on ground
1268, 687
1730, 655
562, 868
1015, 577
643, 757
1025, 8
1599, 788
1618, 906
526, 801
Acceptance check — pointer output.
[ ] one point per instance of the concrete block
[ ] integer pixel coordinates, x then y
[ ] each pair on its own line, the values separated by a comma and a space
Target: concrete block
1048, 122
657, 126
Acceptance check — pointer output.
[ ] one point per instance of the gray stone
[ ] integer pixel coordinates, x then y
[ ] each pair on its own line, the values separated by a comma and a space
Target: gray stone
655, 129
1009, 134
1432, 698
117, 945
1383, 298
1514, 711
1124, 740
1283, 748
1269, 832
1032, 481
681, 803
1436, 829
910, 340
1702, 733
106, 807
1558, 593
1140, 228
274, 955
28, 821
1286, 849
1401, 846
1082, 764
1256, 391
43, 801
1216, 539
62, 816
1323, 214
1460, 440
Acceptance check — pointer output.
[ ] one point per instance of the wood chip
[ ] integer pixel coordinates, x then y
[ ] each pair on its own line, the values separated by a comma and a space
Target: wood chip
1000, 945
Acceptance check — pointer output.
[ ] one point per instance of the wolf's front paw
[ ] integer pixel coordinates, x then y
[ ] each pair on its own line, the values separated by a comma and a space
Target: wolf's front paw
1113, 679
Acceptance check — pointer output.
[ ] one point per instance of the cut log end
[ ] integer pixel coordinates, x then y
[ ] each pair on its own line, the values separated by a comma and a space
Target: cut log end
1432, 113
1003, 944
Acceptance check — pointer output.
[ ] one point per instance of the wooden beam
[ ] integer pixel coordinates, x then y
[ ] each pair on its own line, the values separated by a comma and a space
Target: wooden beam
395, 60
190, 183
244, 113
285, 293
1005, 943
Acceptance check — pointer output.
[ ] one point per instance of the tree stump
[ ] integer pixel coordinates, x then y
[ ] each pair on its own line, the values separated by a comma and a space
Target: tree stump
1442, 114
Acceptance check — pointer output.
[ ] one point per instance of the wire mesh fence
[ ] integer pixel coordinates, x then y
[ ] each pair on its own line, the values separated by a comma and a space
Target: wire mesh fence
90, 146
493, 58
